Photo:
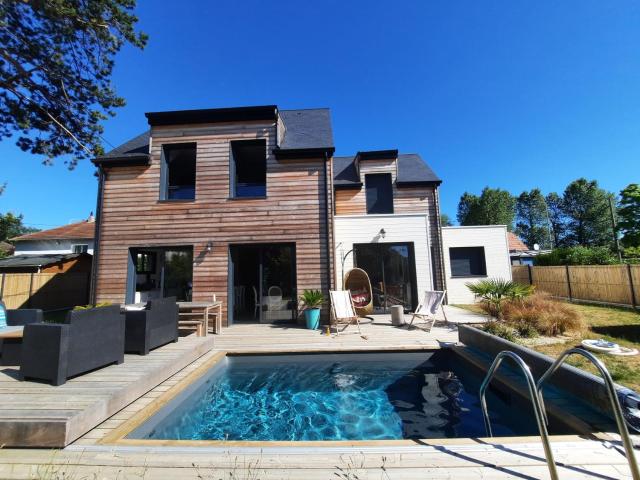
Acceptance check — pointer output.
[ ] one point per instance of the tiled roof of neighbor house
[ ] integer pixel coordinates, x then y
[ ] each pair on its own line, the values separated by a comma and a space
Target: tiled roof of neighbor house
37, 260
82, 230
303, 129
515, 244
412, 170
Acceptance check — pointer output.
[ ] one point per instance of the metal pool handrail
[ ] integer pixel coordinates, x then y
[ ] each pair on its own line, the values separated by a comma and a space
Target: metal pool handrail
535, 399
611, 393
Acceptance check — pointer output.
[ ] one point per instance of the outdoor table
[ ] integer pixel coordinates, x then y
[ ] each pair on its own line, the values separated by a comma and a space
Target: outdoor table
11, 345
202, 308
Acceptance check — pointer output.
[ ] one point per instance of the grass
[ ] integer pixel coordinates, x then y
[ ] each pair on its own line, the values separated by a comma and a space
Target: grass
617, 325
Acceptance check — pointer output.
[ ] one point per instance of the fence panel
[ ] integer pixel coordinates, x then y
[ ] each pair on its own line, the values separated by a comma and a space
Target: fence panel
598, 283
520, 274
48, 291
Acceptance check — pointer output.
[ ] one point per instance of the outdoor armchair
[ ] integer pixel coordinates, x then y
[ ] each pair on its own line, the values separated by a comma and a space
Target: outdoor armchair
10, 349
152, 327
88, 339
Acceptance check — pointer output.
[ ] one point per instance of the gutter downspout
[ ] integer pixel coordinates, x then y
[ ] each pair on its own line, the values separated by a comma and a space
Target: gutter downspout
326, 219
96, 240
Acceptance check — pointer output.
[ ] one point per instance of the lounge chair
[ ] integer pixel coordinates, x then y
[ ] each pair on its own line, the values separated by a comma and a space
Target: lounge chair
342, 310
428, 308
87, 340
11, 348
152, 327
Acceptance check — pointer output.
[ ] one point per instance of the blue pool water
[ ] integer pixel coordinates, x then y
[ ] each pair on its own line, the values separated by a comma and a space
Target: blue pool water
337, 397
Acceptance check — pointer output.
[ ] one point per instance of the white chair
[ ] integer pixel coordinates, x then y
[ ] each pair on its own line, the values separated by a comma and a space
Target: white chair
256, 303
343, 311
428, 307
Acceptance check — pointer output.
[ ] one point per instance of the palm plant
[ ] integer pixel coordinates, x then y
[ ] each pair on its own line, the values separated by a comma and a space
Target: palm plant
312, 298
494, 291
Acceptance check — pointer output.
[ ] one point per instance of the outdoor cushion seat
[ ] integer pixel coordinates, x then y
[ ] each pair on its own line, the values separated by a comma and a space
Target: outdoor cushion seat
11, 348
152, 327
87, 340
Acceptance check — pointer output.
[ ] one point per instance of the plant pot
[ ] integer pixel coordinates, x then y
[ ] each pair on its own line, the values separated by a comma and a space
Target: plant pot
312, 318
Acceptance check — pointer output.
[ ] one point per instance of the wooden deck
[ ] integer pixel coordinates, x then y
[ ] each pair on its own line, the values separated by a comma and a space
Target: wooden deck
41, 415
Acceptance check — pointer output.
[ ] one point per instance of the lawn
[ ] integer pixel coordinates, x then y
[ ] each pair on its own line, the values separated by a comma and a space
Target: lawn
614, 324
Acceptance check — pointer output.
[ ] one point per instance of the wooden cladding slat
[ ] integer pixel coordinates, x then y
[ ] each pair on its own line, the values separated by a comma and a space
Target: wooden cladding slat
294, 211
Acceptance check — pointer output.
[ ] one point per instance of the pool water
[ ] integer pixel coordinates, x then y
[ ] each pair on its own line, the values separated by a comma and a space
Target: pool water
373, 396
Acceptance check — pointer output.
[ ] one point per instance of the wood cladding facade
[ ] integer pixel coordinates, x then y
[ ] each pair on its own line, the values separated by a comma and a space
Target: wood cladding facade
294, 211
422, 199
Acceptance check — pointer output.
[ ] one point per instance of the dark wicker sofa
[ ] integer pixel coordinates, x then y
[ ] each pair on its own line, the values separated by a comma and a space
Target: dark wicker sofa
11, 348
88, 339
152, 327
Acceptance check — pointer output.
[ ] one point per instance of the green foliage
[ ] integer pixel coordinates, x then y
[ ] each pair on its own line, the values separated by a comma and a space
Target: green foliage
577, 256
312, 298
501, 330
586, 207
556, 217
493, 207
445, 221
88, 307
532, 219
494, 291
11, 226
629, 217
56, 61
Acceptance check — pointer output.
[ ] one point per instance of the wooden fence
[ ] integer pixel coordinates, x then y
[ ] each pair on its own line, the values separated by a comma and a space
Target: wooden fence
48, 291
614, 284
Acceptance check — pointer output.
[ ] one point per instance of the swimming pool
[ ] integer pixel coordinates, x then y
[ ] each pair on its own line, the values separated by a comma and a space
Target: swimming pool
329, 397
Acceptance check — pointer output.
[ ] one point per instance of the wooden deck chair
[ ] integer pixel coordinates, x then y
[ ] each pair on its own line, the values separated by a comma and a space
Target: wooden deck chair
428, 308
343, 310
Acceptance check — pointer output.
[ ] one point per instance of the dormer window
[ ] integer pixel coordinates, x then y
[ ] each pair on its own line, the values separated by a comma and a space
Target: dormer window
178, 172
248, 168
379, 193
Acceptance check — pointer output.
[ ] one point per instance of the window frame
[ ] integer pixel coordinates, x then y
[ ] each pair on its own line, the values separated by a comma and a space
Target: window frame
84, 250
233, 194
366, 193
164, 171
469, 275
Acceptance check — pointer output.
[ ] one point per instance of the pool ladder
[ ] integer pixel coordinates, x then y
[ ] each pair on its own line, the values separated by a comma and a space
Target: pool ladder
535, 392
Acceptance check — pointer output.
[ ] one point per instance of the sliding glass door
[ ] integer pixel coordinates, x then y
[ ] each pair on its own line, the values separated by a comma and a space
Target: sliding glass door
391, 269
159, 272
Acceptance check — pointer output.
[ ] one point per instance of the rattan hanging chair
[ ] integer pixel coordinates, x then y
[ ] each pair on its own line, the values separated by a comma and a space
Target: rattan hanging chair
358, 282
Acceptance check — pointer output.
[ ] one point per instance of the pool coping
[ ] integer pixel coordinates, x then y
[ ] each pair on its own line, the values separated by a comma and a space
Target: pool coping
117, 437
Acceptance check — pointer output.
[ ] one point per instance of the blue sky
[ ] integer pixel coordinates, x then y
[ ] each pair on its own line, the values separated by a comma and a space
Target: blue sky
508, 94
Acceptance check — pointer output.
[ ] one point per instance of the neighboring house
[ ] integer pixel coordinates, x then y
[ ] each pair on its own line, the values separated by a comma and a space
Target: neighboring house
47, 263
71, 238
473, 253
387, 223
232, 201
519, 253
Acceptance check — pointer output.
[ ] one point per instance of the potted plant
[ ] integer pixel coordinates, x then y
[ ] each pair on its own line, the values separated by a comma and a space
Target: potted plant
312, 300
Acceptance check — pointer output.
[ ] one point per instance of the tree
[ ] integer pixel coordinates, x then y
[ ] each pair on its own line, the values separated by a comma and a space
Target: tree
586, 208
56, 61
557, 219
445, 221
532, 218
12, 226
493, 207
629, 215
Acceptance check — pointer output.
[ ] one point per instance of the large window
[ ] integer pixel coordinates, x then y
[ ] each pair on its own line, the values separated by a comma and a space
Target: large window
80, 248
467, 262
178, 173
379, 193
248, 168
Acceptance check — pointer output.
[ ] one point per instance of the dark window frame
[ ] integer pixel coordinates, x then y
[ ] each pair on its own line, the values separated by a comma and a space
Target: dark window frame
165, 188
377, 205
84, 248
477, 267
233, 171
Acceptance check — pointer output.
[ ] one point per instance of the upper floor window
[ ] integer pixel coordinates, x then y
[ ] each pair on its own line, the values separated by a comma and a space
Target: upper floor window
80, 248
467, 262
248, 167
379, 192
178, 172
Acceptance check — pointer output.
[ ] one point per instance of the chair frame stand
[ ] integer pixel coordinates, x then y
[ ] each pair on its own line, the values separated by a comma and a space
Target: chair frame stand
335, 321
429, 318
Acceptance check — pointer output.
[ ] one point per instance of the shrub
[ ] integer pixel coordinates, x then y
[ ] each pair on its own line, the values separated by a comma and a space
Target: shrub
501, 330
312, 298
493, 292
577, 256
87, 307
545, 315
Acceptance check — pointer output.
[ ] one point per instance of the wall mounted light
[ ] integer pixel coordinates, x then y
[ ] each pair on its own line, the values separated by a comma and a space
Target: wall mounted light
209, 246
382, 233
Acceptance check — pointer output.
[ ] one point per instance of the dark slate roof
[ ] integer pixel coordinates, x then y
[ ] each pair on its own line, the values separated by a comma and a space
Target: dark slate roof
37, 260
307, 129
412, 170
132, 152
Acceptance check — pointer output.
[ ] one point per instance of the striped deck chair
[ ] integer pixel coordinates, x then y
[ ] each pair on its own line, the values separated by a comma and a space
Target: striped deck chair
428, 308
342, 310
